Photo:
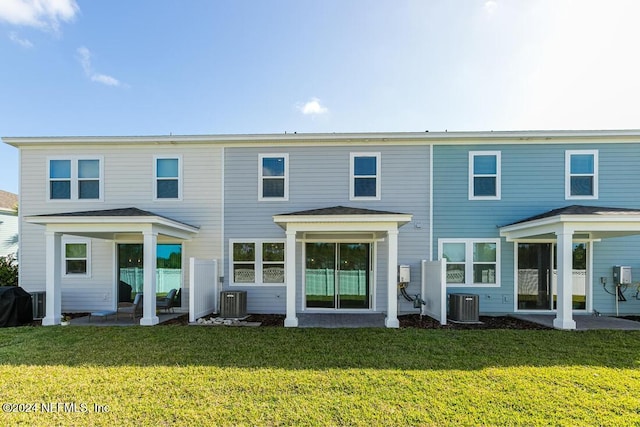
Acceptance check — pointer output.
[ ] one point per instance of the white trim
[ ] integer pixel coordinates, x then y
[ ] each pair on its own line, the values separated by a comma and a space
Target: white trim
155, 177
261, 177
568, 174
431, 202
352, 176
63, 256
258, 263
469, 263
497, 175
74, 180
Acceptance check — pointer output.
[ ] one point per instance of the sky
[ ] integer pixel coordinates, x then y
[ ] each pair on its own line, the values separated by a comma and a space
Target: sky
159, 67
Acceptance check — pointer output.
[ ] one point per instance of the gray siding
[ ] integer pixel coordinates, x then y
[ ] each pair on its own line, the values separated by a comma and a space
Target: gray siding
128, 182
319, 178
533, 182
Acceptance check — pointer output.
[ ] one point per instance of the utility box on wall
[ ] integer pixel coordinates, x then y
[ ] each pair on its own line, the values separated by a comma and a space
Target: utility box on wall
404, 274
621, 275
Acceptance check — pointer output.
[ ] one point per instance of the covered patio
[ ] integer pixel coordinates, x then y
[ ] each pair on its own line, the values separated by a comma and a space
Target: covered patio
112, 224
563, 225
341, 223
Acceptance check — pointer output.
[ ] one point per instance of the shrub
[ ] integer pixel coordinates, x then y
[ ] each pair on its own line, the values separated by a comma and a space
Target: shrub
8, 271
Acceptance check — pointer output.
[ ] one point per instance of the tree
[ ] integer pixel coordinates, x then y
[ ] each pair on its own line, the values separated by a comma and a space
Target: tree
8, 271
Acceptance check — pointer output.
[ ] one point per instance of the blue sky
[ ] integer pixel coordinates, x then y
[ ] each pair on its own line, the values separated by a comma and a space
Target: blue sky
149, 67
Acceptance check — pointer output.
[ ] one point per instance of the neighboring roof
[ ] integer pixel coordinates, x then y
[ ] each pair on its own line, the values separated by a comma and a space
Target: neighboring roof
523, 137
8, 201
342, 210
580, 210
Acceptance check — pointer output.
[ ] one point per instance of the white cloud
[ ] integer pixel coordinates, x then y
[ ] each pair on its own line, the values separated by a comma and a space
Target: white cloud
42, 14
84, 56
20, 41
313, 107
490, 6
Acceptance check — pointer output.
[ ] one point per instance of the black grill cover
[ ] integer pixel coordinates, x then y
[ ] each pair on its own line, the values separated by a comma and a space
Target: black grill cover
15, 306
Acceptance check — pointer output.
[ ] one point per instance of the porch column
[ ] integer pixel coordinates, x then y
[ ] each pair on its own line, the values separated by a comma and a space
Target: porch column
291, 321
149, 250
392, 281
564, 316
53, 266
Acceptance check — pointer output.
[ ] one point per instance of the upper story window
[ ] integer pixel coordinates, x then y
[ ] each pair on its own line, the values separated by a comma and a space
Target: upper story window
484, 175
273, 177
75, 178
581, 174
168, 178
471, 262
365, 176
76, 261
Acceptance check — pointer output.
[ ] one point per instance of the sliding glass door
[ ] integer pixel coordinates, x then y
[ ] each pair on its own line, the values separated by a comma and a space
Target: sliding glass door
131, 269
337, 275
538, 276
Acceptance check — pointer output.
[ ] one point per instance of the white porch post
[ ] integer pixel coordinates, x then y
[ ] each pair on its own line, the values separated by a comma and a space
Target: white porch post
291, 321
53, 267
149, 317
392, 281
564, 317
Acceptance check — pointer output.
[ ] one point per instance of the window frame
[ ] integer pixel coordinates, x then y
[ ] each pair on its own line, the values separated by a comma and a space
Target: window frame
469, 261
497, 175
568, 175
262, 177
353, 177
258, 262
156, 179
75, 240
74, 179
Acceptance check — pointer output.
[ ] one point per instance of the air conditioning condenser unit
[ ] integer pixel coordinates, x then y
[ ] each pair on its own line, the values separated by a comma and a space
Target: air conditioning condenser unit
233, 304
464, 308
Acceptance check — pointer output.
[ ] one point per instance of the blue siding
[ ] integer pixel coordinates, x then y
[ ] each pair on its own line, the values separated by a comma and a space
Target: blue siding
533, 182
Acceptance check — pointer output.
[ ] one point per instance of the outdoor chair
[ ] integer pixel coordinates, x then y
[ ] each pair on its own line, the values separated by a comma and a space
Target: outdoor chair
132, 309
167, 302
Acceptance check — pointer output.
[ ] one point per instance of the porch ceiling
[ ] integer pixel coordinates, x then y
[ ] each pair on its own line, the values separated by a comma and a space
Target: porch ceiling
593, 221
110, 223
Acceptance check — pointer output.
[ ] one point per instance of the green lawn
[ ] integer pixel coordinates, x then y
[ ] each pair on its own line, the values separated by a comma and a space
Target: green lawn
187, 375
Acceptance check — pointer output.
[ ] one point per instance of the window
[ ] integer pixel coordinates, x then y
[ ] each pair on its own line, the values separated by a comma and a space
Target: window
76, 257
257, 262
471, 262
273, 177
168, 178
365, 176
75, 178
581, 174
484, 175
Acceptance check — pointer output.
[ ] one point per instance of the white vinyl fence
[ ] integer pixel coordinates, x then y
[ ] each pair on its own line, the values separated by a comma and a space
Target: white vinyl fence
203, 288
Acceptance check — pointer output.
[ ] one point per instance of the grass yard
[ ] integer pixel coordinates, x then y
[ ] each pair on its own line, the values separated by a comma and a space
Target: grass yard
178, 375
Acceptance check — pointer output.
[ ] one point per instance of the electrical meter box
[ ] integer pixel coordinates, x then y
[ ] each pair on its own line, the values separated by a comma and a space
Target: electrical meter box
621, 275
404, 274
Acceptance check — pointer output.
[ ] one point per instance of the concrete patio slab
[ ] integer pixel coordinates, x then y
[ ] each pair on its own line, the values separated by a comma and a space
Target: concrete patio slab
122, 321
341, 320
584, 322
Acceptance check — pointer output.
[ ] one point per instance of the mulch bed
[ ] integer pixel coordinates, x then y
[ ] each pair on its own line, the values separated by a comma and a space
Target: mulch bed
406, 321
